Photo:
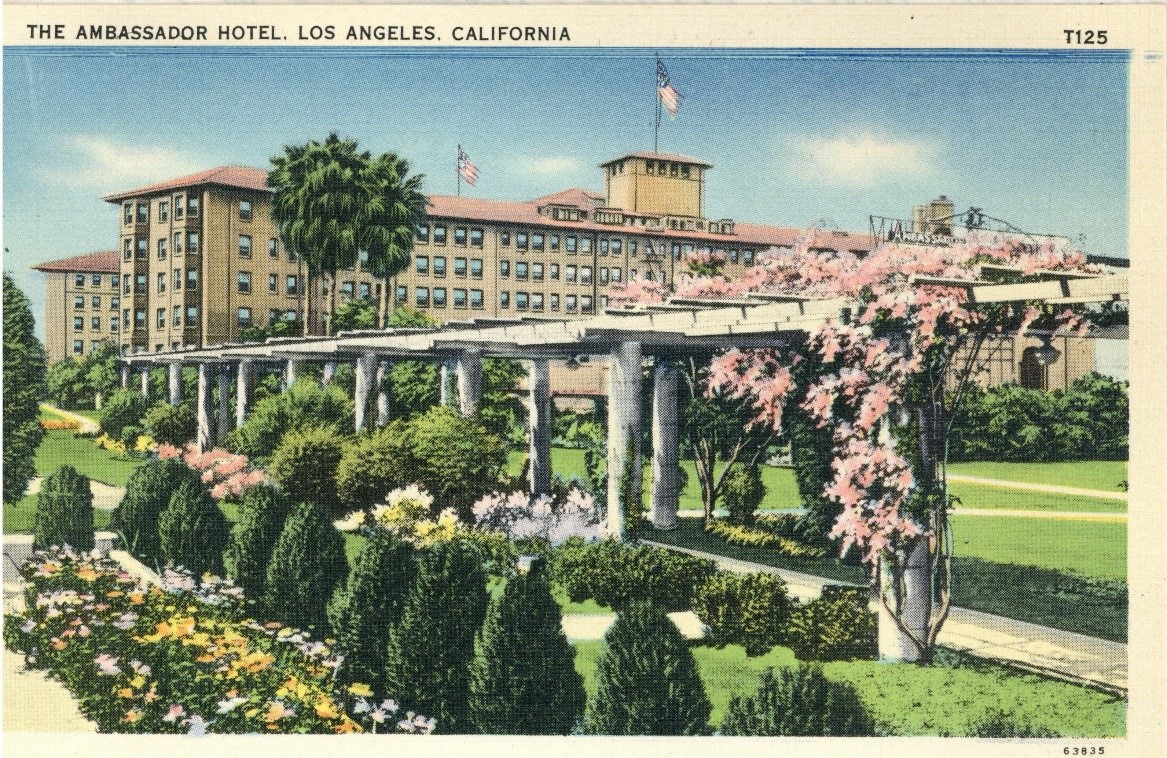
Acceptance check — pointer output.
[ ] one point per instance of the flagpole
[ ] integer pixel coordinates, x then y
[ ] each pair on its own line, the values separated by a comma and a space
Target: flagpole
656, 127
458, 169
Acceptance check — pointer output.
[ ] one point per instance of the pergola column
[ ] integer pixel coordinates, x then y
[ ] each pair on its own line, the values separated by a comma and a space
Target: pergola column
174, 382
242, 392
125, 376
329, 371
665, 445
384, 393
915, 608
146, 381
444, 383
203, 438
539, 456
291, 372
224, 424
624, 382
469, 374
366, 376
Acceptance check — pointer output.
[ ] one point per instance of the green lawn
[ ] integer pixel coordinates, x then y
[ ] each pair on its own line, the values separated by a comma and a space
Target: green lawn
60, 447
981, 496
1089, 548
20, 517
906, 699
1091, 475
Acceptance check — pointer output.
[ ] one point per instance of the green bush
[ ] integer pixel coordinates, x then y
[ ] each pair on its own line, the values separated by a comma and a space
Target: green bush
64, 511
129, 436
171, 424
455, 459
366, 606
523, 678
997, 724
835, 627
305, 463
615, 573
742, 492
427, 663
304, 405
647, 681
124, 409
24, 384
374, 465
263, 510
193, 531
148, 492
307, 564
798, 702
750, 610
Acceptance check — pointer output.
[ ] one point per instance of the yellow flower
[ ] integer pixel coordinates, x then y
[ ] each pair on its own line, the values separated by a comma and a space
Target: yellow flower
136, 598
125, 692
137, 681
114, 593
275, 711
360, 689
87, 573
347, 726
133, 715
326, 709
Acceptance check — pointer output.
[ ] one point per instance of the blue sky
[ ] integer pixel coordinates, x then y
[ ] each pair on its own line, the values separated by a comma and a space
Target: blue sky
1038, 140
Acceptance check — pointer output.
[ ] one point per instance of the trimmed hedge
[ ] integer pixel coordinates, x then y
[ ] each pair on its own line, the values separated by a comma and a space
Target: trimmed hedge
263, 510
835, 627
307, 564
742, 492
751, 610
615, 574
193, 531
798, 702
305, 463
64, 511
148, 492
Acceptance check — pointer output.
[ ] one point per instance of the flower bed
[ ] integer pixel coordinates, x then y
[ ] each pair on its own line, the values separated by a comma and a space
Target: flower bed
756, 537
182, 657
60, 423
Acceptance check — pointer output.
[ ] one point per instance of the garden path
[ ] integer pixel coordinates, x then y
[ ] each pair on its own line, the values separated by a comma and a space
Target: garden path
105, 496
1052, 489
1053, 652
1060, 515
88, 425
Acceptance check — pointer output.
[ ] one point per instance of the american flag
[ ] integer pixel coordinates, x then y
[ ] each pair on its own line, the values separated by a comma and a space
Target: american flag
666, 91
466, 169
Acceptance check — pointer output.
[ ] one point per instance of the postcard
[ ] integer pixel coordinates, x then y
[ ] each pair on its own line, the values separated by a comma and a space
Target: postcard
644, 376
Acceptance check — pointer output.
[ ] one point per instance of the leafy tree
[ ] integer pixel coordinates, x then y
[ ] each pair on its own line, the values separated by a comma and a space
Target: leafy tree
646, 679
428, 655
263, 510
305, 404
414, 384
24, 383
280, 327
502, 410
125, 408
64, 511
66, 384
743, 493
305, 463
148, 492
193, 531
369, 604
1101, 409
172, 424
159, 383
357, 313
307, 564
398, 206
523, 678
100, 371
373, 465
455, 459
798, 702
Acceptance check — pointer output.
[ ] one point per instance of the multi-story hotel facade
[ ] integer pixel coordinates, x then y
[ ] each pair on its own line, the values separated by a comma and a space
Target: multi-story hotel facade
82, 304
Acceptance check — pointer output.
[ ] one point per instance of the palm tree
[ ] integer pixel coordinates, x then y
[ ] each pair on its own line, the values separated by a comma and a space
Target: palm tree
395, 210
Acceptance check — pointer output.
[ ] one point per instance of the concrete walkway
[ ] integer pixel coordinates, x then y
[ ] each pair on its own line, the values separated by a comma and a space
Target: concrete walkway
105, 496
1059, 515
1065, 655
1053, 489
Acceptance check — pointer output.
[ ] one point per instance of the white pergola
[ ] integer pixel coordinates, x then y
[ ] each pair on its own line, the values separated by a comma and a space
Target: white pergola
626, 336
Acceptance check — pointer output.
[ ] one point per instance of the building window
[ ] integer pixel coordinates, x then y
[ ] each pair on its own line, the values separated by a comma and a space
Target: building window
570, 274
127, 249
192, 242
366, 291
459, 267
476, 300
244, 245
273, 284
585, 274
687, 248
179, 201
114, 281
439, 235
243, 315
126, 318
78, 346
140, 284
553, 243
585, 304
504, 268
192, 278
96, 280
554, 273
439, 265
176, 281
422, 296
79, 280
585, 244
569, 304
192, 206
245, 212
78, 323
78, 302
143, 249
569, 244
143, 213
95, 302
554, 302
160, 318
192, 311
603, 301
617, 247
460, 235
115, 303
504, 239
363, 257
160, 285
459, 298
504, 300
537, 301
273, 248
603, 246
536, 241
164, 210
139, 318
347, 288
128, 212
475, 238
476, 268
292, 285
421, 233
126, 286
113, 323
439, 297
178, 243
748, 257
616, 274
243, 282
537, 272
520, 301
603, 275
520, 244
520, 274
422, 264
162, 249
632, 248
402, 293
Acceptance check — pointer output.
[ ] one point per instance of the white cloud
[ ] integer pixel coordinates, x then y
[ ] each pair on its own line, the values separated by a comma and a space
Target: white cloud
861, 159
551, 165
104, 164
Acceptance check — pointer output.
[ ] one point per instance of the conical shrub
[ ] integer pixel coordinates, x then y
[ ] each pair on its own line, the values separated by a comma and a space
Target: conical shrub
798, 702
523, 678
64, 511
148, 492
646, 679
263, 510
193, 531
307, 563
365, 607
427, 664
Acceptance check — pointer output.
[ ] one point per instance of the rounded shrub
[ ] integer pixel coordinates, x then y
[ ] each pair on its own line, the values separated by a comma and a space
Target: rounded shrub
835, 627
647, 681
148, 492
125, 408
751, 610
373, 466
615, 573
455, 459
742, 492
427, 663
263, 510
366, 606
523, 678
798, 702
64, 511
171, 424
304, 405
193, 531
307, 563
305, 463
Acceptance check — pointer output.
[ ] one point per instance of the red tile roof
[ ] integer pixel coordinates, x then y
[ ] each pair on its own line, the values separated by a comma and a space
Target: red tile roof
243, 177
105, 262
659, 157
580, 198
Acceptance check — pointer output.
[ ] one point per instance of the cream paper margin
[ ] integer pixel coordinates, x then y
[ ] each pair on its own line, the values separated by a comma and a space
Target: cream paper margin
1138, 28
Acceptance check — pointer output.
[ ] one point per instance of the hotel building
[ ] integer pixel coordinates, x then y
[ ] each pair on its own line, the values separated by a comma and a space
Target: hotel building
82, 304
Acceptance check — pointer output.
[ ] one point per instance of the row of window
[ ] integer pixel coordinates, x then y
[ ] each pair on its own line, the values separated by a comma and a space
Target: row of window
421, 265
183, 205
79, 346
425, 297
95, 303
94, 323
96, 279
139, 281
243, 316
191, 320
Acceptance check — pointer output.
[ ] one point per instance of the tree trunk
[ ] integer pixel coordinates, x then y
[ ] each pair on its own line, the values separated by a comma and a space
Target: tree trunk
383, 306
